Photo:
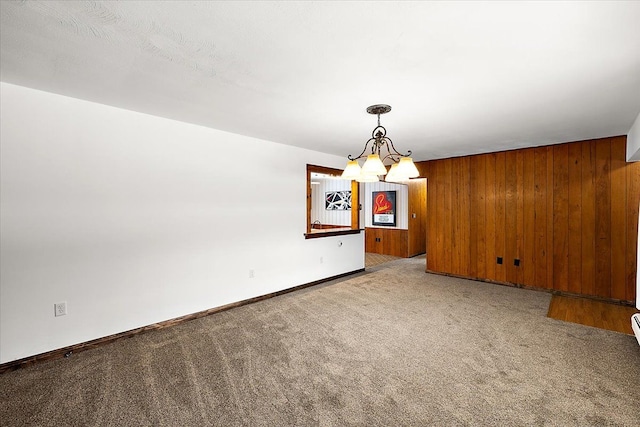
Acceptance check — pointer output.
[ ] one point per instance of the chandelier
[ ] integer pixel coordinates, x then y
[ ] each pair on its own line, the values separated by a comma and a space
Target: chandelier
382, 150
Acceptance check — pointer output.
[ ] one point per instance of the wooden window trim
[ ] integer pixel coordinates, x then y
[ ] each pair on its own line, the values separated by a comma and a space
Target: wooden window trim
355, 205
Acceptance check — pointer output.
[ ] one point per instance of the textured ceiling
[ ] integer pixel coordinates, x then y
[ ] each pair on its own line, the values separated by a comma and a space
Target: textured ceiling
461, 77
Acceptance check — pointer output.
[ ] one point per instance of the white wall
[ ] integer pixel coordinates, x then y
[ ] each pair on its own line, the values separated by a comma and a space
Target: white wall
402, 202
318, 211
133, 219
638, 275
633, 142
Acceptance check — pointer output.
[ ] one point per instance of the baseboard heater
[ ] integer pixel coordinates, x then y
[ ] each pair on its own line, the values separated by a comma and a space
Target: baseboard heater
635, 325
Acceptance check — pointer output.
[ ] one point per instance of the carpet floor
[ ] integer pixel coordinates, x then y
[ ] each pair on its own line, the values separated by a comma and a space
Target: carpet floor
393, 346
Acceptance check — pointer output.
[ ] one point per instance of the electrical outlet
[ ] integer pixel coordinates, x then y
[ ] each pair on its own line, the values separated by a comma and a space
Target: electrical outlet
252, 274
60, 309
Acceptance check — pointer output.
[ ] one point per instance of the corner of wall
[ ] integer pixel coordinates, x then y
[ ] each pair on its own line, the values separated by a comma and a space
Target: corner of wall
633, 141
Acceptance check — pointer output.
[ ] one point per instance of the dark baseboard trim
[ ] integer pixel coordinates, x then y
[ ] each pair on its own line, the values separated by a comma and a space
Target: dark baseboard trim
88, 345
330, 233
535, 288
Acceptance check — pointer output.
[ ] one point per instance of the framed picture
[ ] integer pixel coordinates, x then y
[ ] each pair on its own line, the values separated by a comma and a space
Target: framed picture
337, 200
384, 208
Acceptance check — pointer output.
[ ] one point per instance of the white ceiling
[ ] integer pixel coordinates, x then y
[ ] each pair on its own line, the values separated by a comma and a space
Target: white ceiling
462, 77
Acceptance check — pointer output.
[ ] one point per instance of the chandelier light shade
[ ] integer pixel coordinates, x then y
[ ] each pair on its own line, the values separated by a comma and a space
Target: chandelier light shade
393, 175
407, 168
368, 178
352, 171
381, 150
373, 165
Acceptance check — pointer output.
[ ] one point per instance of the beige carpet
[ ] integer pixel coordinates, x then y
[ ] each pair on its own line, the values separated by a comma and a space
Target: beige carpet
391, 347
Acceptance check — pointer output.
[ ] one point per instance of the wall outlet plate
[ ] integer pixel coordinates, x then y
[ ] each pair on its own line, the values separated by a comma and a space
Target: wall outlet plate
60, 309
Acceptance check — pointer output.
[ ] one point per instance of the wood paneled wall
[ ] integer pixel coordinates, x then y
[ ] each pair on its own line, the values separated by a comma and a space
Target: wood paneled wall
386, 241
417, 242
567, 212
